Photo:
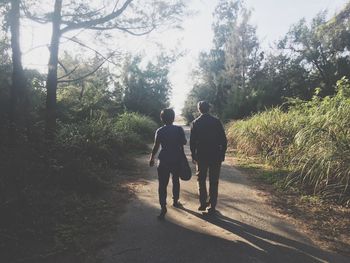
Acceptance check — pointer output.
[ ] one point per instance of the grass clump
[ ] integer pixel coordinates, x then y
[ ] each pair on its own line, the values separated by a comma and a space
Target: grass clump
311, 140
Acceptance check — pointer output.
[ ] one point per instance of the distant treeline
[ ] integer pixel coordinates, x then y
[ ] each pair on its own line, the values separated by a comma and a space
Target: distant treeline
239, 78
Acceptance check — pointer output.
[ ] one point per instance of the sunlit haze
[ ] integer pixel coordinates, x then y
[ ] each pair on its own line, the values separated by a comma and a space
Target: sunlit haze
272, 18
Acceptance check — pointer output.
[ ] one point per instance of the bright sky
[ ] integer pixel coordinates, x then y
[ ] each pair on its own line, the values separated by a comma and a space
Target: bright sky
272, 18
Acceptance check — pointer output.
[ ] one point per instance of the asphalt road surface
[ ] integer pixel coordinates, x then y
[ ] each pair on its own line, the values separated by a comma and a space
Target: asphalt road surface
246, 229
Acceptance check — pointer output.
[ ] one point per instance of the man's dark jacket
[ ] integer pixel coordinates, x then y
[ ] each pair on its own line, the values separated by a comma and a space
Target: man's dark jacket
208, 141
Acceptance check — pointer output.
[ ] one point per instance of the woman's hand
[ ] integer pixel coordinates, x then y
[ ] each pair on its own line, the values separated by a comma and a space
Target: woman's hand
154, 152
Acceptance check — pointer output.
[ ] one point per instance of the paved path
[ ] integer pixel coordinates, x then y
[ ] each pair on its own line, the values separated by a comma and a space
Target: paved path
246, 229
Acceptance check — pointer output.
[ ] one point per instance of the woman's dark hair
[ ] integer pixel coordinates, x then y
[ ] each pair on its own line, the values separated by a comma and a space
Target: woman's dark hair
167, 116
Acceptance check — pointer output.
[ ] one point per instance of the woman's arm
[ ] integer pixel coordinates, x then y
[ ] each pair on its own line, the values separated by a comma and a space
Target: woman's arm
154, 152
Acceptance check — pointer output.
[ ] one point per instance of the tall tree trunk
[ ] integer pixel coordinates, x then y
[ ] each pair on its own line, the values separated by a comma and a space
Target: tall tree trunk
18, 89
51, 84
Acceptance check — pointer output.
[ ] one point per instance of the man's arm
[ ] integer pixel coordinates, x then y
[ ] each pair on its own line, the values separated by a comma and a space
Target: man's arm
193, 143
223, 140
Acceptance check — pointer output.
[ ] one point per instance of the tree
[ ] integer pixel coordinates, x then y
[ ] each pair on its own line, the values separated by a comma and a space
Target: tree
313, 50
339, 29
230, 66
82, 95
279, 78
199, 92
243, 59
146, 90
128, 16
211, 72
5, 83
18, 96
225, 16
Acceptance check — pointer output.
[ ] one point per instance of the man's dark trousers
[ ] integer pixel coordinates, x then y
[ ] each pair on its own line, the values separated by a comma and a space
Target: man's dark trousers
214, 172
208, 145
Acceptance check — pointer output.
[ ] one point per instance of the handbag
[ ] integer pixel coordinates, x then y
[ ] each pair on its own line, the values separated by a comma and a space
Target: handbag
185, 172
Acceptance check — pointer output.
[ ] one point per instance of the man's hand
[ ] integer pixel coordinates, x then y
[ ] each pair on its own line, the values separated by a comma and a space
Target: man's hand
223, 157
194, 161
151, 162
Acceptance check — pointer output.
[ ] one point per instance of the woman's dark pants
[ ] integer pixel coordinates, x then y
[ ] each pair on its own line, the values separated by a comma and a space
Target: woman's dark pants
164, 171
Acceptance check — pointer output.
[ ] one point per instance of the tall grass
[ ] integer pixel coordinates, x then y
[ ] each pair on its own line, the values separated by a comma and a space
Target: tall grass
268, 134
311, 139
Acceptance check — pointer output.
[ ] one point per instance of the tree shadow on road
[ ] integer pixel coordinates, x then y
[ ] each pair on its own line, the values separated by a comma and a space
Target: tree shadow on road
146, 239
277, 248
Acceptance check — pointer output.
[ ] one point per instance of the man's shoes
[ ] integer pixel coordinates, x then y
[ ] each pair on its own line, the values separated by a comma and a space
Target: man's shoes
177, 204
203, 207
162, 213
212, 211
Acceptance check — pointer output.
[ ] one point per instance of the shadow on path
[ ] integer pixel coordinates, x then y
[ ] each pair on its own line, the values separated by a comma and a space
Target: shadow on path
189, 236
276, 247
146, 239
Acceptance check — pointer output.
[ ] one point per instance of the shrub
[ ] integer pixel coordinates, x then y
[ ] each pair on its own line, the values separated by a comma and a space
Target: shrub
141, 125
84, 150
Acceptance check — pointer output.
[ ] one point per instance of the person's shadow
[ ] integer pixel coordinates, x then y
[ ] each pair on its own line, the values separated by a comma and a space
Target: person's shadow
277, 248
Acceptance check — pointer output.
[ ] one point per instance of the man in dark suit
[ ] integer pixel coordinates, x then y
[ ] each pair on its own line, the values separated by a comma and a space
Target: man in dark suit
208, 145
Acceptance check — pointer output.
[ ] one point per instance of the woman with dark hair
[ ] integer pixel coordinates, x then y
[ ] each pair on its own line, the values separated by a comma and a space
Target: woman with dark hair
172, 139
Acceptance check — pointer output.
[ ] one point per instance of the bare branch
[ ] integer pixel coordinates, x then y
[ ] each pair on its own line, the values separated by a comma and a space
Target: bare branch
127, 30
88, 14
84, 76
32, 17
115, 6
98, 21
67, 73
64, 68
33, 48
75, 40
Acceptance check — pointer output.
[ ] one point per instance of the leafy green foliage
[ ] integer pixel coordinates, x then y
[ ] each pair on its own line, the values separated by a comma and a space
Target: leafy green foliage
322, 148
54, 197
86, 97
130, 123
85, 149
50, 198
198, 93
146, 90
211, 82
311, 139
